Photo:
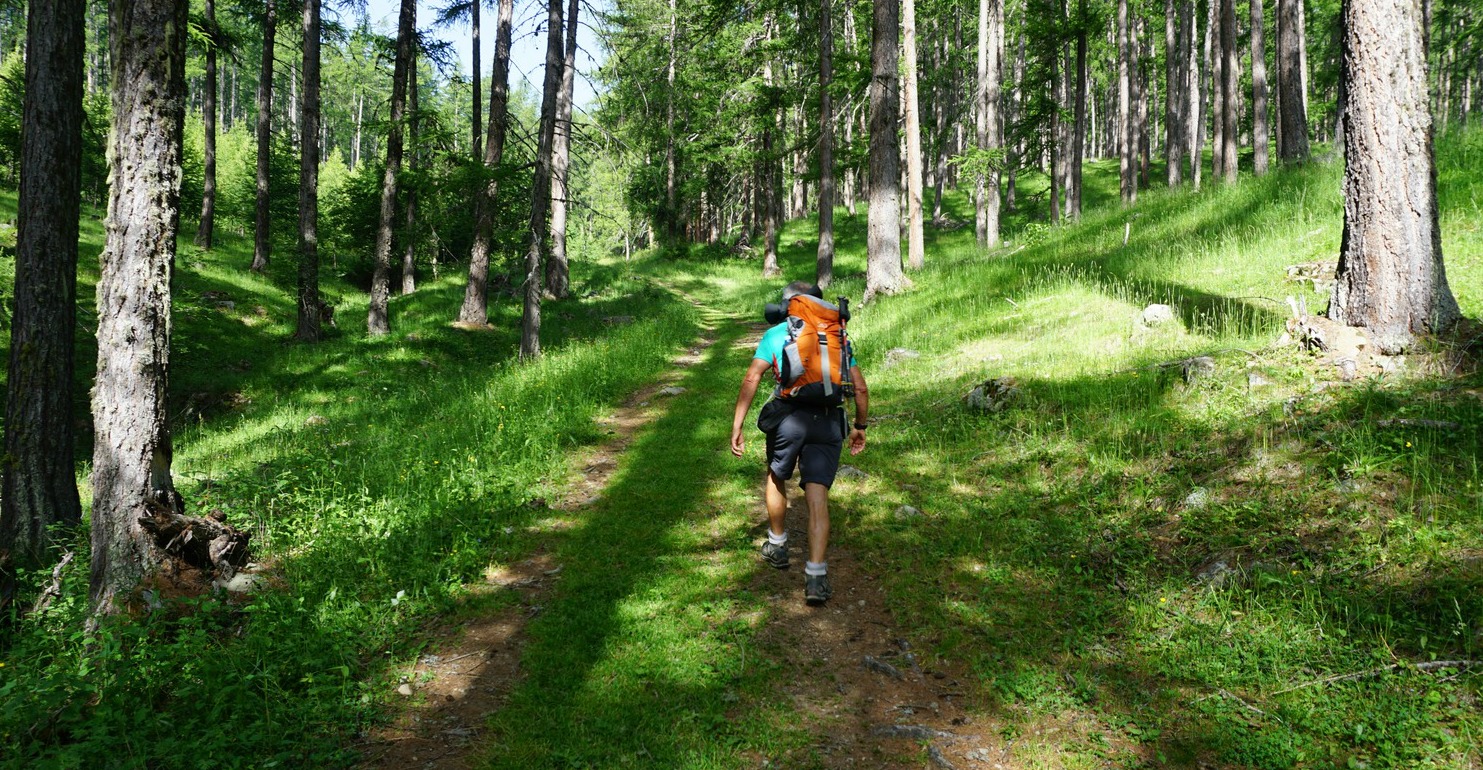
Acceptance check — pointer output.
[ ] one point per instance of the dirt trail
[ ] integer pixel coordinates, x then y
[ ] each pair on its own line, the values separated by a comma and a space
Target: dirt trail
857, 682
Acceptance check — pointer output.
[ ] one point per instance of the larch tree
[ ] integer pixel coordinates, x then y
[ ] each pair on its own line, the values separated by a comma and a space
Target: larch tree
916, 248
1174, 68
409, 233
475, 308
205, 227
1292, 134
1195, 90
262, 240
1258, 91
1230, 71
558, 271
377, 322
1391, 279
138, 521
986, 192
767, 176
40, 483
309, 327
540, 196
824, 261
1127, 181
1079, 110
883, 273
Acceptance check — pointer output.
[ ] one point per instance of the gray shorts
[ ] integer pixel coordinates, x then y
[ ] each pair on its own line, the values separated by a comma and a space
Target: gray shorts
810, 439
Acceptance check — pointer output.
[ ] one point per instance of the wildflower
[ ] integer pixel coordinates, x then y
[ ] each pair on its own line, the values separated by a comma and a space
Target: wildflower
1408, 445
1163, 600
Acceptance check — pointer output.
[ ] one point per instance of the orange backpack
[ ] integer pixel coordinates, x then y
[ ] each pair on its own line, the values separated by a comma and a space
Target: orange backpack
814, 367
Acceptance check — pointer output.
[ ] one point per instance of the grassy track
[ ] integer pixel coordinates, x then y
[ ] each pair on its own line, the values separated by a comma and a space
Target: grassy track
1066, 560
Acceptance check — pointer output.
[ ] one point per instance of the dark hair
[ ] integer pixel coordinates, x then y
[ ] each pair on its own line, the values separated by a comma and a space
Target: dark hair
801, 287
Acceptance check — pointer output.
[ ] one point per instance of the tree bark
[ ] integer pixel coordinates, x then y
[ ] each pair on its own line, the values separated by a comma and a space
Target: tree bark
262, 244
1078, 130
1173, 74
475, 297
1292, 135
824, 263
986, 184
309, 322
40, 483
1142, 55
1195, 103
131, 446
1215, 64
1230, 84
1391, 279
205, 227
916, 247
883, 273
671, 209
1258, 91
409, 249
558, 271
377, 322
540, 197
1127, 184
476, 123
851, 175
767, 180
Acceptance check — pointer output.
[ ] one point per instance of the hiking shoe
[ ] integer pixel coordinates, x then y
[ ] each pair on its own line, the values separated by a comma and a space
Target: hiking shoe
816, 590
775, 554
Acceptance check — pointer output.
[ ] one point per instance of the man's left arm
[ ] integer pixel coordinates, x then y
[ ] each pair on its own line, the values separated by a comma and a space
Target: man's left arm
862, 410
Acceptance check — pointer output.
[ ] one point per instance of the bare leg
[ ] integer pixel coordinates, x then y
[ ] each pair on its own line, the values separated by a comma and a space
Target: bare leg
817, 496
775, 495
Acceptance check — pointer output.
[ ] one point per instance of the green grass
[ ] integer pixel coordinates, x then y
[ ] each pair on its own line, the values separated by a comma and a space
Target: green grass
1057, 561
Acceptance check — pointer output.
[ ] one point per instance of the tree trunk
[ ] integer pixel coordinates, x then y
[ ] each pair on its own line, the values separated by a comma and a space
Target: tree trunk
1292, 136
204, 228
540, 196
824, 263
1195, 103
916, 247
1173, 74
1230, 84
986, 183
1127, 184
476, 123
377, 322
1258, 91
262, 246
1141, 57
1391, 279
883, 273
1013, 156
671, 212
1078, 130
767, 180
1216, 66
558, 271
409, 249
40, 482
851, 176
475, 297
131, 446
360, 108
309, 325
1057, 139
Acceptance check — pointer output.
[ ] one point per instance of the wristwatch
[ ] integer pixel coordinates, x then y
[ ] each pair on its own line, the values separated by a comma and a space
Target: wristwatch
861, 426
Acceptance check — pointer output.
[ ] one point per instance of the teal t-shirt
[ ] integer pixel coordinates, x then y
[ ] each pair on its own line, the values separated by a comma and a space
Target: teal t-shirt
770, 347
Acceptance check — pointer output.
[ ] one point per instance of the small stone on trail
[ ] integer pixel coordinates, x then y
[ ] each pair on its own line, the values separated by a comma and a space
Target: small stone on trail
907, 512
673, 390
979, 754
993, 395
1198, 498
897, 355
882, 667
618, 319
1197, 368
851, 472
1156, 315
404, 689
1348, 369
1214, 574
316, 420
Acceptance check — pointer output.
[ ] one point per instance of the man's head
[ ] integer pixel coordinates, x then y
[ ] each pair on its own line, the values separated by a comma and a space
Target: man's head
801, 287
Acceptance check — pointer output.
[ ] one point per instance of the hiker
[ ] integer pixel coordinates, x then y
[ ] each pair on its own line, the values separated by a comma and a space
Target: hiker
806, 424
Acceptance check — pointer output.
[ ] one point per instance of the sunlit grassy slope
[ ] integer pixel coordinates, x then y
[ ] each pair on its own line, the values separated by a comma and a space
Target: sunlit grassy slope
1058, 559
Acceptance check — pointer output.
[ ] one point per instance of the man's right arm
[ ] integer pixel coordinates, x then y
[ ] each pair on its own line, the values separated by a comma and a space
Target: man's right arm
749, 384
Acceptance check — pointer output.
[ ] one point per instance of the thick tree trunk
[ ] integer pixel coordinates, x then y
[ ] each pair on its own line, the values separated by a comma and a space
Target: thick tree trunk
1173, 74
1195, 103
671, 209
883, 273
1230, 84
1056, 145
476, 123
40, 484
1127, 183
540, 196
131, 447
205, 228
986, 184
851, 173
1292, 135
262, 246
1141, 57
409, 249
767, 179
916, 247
377, 322
824, 263
310, 323
1215, 65
475, 297
558, 271
1079, 128
1391, 279
1258, 91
